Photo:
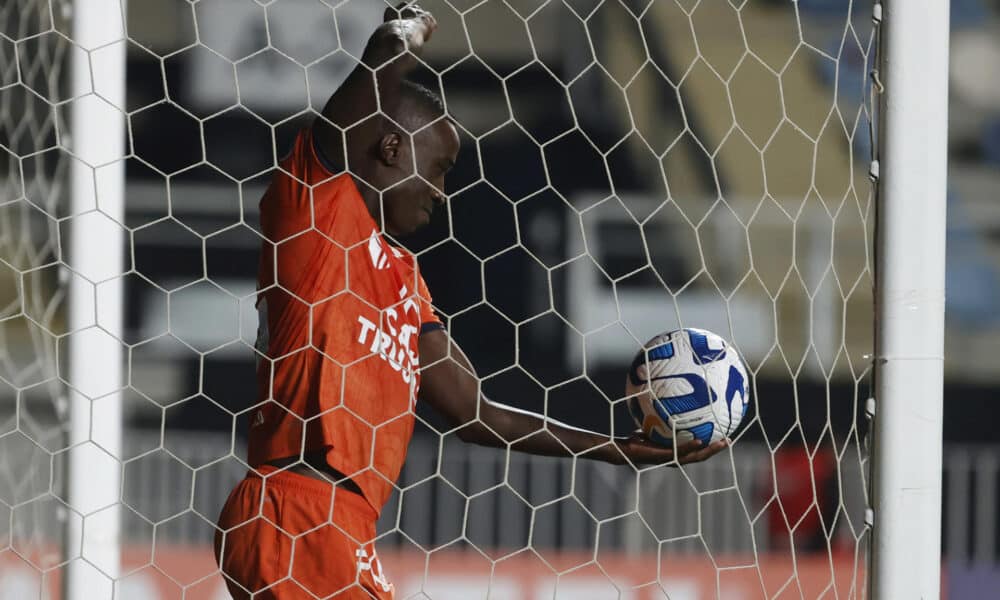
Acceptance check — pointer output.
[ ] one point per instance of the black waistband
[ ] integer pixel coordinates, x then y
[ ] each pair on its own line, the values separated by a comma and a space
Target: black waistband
315, 466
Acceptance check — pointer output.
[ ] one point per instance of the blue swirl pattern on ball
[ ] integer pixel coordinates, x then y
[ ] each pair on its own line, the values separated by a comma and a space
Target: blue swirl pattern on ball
700, 395
703, 432
661, 352
699, 347
735, 384
676, 380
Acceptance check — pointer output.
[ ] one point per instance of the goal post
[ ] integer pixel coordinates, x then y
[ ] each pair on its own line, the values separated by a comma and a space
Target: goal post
96, 255
906, 556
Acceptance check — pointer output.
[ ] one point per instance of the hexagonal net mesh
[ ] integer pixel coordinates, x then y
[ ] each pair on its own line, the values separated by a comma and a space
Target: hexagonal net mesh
33, 408
626, 168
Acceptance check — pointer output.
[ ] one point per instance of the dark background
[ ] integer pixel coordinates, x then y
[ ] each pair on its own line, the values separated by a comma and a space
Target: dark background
484, 222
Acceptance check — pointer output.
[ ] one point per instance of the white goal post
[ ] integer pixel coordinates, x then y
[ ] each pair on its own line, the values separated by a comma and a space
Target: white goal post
96, 254
910, 247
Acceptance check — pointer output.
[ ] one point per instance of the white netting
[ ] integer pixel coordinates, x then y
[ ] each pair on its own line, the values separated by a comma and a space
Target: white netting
33, 173
627, 168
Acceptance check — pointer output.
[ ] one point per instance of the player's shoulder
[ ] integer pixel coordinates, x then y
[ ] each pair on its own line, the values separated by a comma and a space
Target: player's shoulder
305, 160
303, 189
296, 149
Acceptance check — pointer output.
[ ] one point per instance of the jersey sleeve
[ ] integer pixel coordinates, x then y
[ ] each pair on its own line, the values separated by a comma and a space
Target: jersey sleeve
429, 320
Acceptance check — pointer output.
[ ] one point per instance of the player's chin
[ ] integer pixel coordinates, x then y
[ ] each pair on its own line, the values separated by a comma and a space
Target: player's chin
421, 219
412, 225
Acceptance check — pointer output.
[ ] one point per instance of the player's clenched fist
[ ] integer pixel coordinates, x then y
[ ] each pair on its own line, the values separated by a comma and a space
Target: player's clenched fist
406, 28
410, 11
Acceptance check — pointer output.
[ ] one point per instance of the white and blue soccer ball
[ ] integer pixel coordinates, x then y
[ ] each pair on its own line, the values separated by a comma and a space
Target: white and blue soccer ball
688, 384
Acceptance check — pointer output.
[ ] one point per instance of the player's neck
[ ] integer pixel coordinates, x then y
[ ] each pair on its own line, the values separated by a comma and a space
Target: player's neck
370, 196
372, 199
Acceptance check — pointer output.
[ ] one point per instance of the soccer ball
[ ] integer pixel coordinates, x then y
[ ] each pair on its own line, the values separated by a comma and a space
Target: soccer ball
689, 383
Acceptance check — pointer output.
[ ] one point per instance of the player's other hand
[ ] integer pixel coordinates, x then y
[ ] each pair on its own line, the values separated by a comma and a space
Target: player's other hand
638, 450
409, 11
405, 27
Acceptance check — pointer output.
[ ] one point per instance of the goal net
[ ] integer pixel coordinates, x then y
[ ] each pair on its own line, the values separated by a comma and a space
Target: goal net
627, 168
33, 202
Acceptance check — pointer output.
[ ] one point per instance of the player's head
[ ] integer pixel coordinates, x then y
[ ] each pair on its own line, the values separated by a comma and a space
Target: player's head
416, 148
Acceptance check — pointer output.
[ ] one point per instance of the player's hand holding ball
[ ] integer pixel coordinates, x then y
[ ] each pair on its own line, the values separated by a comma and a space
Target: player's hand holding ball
687, 384
639, 450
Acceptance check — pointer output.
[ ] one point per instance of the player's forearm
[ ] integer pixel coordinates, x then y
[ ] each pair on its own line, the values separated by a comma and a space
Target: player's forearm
384, 64
387, 48
448, 383
502, 426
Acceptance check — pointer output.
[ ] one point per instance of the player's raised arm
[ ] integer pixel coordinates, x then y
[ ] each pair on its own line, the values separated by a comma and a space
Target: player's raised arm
391, 53
449, 385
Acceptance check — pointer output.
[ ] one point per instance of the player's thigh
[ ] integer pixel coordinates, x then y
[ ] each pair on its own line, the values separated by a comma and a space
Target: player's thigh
330, 563
251, 550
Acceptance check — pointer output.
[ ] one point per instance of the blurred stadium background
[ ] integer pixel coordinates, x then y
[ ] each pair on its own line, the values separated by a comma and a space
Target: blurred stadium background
529, 210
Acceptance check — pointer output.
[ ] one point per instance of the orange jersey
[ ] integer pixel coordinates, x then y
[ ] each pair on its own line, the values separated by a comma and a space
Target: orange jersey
341, 311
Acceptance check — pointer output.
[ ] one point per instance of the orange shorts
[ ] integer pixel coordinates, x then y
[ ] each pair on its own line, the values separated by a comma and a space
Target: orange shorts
285, 536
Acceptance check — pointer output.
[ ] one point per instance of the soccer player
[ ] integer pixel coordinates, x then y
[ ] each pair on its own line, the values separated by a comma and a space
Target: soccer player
349, 342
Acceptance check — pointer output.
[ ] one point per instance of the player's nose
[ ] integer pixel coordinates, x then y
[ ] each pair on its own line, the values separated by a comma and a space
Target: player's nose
439, 198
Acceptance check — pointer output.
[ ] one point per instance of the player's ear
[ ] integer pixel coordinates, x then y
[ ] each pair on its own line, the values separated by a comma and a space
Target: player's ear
389, 147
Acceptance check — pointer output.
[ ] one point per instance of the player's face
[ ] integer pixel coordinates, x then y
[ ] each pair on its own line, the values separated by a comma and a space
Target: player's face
408, 205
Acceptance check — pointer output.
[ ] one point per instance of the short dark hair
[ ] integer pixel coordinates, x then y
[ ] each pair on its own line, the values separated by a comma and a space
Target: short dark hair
417, 106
